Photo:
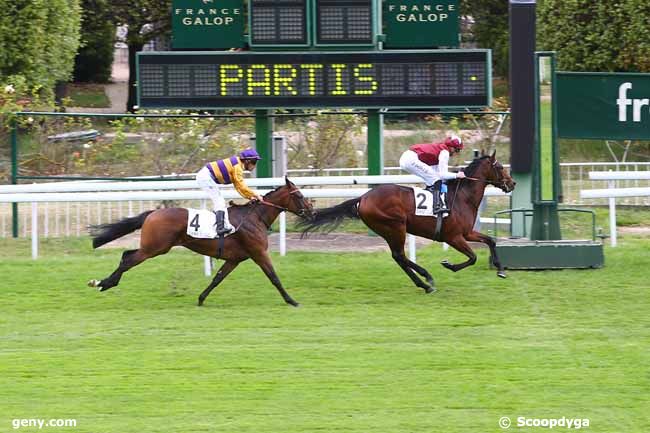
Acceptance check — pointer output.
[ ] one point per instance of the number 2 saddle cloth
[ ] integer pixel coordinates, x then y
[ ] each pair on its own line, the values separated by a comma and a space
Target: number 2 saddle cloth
424, 203
200, 224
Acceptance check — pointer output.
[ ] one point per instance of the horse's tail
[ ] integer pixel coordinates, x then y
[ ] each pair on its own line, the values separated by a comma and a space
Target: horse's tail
104, 233
330, 218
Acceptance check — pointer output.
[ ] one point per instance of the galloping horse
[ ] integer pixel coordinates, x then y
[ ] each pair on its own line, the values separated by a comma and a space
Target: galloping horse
389, 210
163, 229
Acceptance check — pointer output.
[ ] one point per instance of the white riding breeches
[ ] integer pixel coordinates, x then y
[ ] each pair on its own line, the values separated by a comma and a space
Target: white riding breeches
410, 162
207, 184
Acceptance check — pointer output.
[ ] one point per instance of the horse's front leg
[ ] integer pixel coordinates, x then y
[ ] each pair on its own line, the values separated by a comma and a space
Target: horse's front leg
487, 240
222, 273
264, 261
459, 243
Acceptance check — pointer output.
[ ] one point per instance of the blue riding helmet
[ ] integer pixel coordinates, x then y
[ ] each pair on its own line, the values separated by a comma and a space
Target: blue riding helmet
250, 154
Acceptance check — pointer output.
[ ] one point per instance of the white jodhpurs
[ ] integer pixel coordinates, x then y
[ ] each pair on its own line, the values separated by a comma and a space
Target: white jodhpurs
409, 162
205, 182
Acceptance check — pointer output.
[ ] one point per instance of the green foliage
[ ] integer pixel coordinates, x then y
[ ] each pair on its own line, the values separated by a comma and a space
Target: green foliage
38, 41
325, 142
490, 29
130, 146
95, 58
596, 36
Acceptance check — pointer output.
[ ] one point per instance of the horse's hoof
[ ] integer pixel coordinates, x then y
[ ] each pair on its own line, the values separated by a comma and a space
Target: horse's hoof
444, 262
93, 283
502, 274
294, 304
430, 290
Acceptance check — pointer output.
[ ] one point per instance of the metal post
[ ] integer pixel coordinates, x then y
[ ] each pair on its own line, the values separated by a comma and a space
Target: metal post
14, 176
207, 260
283, 234
34, 230
264, 142
612, 215
375, 142
412, 248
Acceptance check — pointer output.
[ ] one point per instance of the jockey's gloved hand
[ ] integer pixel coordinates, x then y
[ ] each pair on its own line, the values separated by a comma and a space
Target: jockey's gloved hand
460, 175
257, 198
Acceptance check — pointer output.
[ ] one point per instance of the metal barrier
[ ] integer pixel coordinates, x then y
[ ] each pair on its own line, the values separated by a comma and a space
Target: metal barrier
612, 193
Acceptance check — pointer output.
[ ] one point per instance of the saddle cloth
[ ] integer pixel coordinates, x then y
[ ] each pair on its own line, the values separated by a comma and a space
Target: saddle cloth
424, 203
200, 224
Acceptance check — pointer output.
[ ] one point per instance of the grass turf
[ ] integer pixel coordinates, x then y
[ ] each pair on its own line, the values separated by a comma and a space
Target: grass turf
366, 352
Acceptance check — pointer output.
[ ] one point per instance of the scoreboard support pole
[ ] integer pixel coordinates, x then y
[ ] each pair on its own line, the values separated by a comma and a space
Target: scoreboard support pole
375, 142
264, 142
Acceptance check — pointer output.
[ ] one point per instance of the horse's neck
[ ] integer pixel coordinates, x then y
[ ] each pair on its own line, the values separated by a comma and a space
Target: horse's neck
472, 191
270, 213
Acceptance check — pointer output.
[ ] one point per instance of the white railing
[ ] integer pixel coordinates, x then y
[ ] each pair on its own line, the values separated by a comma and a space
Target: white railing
611, 193
575, 177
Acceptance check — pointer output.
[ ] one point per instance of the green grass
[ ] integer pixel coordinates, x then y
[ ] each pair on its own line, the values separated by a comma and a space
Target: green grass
366, 352
88, 95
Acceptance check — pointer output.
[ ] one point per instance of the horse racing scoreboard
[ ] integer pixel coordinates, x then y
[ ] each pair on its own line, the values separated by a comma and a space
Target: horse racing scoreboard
369, 79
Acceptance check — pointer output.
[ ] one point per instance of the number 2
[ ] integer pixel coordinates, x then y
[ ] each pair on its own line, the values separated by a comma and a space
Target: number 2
423, 198
195, 223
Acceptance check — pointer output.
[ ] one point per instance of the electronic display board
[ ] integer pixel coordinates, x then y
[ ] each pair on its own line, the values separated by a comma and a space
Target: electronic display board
210, 80
278, 22
344, 22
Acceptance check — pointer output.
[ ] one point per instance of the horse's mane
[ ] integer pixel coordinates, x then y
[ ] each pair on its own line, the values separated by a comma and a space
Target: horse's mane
473, 166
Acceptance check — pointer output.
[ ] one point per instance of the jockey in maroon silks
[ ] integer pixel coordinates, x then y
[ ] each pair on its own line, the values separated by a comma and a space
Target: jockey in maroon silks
430, 161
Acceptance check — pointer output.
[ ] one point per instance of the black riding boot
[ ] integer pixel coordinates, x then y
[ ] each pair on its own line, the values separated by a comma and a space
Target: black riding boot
439, 204
220, 223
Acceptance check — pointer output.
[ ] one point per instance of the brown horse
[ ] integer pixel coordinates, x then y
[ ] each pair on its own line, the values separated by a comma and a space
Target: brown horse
389, 210
163, 229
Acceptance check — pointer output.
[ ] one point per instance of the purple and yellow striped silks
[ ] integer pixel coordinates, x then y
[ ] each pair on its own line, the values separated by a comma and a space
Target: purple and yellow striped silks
221, 170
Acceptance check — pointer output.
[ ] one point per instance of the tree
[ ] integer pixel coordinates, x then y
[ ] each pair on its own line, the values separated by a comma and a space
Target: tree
596, 36
38, 41
146, 20
489, 29
95, 58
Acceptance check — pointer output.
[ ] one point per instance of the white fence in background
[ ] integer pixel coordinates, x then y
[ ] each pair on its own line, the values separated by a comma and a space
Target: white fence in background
575, 178
130, 192
611, 193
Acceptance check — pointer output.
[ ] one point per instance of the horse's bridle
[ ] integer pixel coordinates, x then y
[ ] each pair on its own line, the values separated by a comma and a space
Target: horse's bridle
302, 210
501, 183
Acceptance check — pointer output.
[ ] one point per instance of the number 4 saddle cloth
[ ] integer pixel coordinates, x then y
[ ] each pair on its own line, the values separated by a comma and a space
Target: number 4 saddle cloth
424, 203
201, 224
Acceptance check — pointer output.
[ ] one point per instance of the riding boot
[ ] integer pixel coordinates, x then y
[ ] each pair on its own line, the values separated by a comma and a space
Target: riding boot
439, 205
220, 223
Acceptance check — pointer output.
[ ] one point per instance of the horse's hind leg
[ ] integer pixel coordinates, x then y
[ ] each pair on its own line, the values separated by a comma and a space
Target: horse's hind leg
395, 237
222, 273
459, 243
487, 240
129, 259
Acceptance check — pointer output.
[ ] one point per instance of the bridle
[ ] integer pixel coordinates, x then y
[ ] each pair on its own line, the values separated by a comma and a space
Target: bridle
292, 192
498, 184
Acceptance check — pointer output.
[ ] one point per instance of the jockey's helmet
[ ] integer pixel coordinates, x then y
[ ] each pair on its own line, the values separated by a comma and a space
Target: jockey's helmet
250, 154
454, 141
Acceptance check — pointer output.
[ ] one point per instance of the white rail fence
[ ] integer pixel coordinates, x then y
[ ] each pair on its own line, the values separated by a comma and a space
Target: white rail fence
575, 178
71, 218
53, 194
611, 193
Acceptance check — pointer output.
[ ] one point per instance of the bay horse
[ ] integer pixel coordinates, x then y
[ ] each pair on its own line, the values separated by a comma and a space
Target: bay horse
389, 211
165, 228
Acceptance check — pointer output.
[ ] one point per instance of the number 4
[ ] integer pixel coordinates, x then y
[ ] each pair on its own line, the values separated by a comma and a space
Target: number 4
195, 223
